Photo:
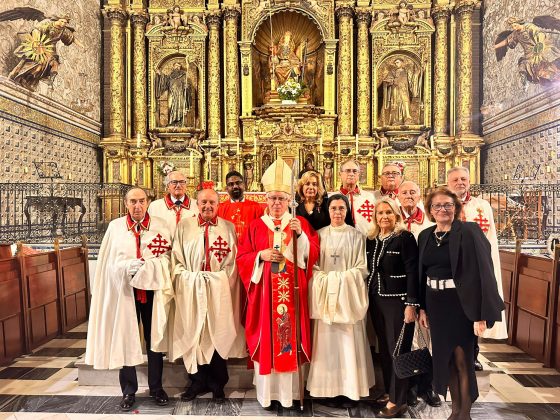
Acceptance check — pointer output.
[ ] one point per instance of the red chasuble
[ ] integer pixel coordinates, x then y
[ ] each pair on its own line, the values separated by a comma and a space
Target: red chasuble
241, 214
270, 323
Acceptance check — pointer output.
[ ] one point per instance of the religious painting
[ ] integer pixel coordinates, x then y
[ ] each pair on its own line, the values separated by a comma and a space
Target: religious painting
400, 91
176, 92
539, 41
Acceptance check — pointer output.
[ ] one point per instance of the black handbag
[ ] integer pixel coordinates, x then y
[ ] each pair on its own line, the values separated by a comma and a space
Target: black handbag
413, 363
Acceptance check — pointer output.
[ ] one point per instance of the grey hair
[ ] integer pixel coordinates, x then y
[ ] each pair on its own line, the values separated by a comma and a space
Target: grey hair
458, 168
167, 179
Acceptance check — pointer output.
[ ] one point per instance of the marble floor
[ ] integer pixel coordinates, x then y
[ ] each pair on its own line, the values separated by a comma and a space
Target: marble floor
44, 385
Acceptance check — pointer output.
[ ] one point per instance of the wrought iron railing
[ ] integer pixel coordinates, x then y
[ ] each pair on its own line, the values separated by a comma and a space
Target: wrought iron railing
527, 212
40, 212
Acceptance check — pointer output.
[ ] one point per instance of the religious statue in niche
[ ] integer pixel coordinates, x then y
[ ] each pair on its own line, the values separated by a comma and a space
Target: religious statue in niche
400, 92
39, 60
286, 59
540, 41
176, 96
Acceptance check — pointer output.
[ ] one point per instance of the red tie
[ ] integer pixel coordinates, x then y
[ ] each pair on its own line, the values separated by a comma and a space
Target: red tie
177, 209
350, 194
140, 294
417, 217
206, 224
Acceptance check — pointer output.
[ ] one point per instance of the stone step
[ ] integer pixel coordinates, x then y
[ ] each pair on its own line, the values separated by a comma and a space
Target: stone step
174, 375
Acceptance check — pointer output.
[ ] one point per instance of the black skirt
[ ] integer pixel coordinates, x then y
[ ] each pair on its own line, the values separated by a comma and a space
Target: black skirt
449, 328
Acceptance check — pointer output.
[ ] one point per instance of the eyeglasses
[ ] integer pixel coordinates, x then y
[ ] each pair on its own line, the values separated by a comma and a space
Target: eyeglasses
279, 199
175, 182
393, 174
350, 171
446, 206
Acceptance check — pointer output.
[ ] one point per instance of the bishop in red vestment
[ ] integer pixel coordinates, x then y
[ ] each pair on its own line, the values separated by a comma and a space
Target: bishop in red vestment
265, 264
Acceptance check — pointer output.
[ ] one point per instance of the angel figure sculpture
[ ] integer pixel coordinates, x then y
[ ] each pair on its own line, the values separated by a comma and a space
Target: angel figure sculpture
39, 60
175, 20
540, 41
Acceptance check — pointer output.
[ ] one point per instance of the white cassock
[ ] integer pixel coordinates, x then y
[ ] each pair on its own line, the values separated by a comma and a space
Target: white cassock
208, 308
166, 209
113, 339
362, 205
479, 211
341, 362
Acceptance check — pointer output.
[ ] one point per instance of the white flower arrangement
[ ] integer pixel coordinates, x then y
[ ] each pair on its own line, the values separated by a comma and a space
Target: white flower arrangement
291, 90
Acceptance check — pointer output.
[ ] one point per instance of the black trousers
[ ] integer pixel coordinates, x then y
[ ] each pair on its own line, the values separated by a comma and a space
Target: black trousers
213, 376
127, 374
387, 314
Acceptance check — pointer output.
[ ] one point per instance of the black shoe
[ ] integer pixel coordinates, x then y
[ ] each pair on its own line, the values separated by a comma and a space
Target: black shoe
331, 402
193, 391
412, 397
160, 397
272, 407
431, 398
219, 396
127, 402
345, 402
478, 366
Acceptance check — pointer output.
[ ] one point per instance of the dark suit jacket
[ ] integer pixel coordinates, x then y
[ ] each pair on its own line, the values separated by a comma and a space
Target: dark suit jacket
472, 268
397, 271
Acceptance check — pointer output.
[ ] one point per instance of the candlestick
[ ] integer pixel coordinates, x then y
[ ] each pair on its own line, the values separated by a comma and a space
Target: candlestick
338, 139
209, 165
357, 141
321, 143
432, 142
219, 141
191, 171
138, 140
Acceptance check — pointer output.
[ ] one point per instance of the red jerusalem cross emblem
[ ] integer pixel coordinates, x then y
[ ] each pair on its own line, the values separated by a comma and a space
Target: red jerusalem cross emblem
366, 211
220, 249
159, 245
482, 221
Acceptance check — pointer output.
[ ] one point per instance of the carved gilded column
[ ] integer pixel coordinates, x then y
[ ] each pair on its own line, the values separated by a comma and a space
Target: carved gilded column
213, 21
117, 80
345, 104
363, 18
231, 72
139, 99
464, 11
441, 70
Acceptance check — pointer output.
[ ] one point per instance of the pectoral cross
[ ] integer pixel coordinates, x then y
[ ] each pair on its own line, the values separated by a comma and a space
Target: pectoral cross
334, 256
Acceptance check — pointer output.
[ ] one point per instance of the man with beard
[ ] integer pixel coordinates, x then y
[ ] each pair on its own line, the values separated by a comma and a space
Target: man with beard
238, 210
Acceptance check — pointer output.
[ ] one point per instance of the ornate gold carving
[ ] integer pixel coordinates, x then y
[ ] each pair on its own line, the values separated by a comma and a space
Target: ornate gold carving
345, 103
170, 3
441, 97
464, 65
213, 22
231, 15
139, 99
363, 18
117, 118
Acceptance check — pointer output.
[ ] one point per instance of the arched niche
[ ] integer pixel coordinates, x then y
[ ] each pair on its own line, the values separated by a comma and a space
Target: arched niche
306, 44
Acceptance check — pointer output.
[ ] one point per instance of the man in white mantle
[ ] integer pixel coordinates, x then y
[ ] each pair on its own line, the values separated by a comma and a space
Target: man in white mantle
341, 365
176, 204
133, 262
207, 323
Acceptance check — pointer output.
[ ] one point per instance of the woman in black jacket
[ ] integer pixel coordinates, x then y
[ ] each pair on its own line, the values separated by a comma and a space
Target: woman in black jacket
392, 256
458, 296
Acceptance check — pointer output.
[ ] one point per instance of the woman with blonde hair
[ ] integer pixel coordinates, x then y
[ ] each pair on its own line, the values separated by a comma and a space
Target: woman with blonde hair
313, 200
392, 285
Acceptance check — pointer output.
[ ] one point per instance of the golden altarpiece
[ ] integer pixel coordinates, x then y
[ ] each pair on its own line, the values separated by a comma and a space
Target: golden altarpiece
195, 85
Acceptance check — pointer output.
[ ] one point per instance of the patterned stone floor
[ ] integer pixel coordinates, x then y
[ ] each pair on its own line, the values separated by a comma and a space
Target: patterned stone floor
43, 385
